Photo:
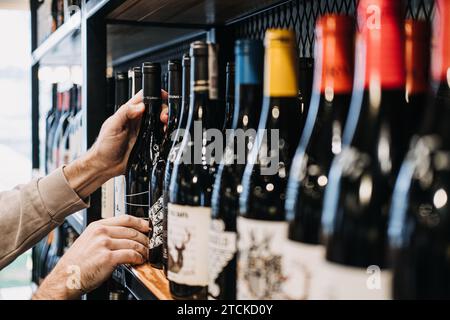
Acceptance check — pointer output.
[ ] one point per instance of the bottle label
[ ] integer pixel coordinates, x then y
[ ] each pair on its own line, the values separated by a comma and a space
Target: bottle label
108, 199
212, 72
353, 283
156, 216
119, 195
188, 244
302, 264
260, 246
222, 248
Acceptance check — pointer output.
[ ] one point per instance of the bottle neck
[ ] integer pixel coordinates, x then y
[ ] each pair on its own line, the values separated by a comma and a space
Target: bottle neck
203, 90
381, 41
280, 72
379, 85
438, 104
174, 100
247, 109
186, 89
334, 65
229, 87
248, 86
175, 106
333, 82
441, 43
417, 57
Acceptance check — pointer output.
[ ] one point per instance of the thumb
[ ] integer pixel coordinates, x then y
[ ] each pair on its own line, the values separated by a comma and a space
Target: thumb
134, 111
133, 108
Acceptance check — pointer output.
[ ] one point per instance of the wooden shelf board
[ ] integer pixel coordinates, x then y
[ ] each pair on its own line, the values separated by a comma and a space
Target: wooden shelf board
144, 281
154, 279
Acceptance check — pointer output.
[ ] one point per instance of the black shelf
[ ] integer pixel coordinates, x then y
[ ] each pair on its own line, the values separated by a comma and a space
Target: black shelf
63, 46
121, 47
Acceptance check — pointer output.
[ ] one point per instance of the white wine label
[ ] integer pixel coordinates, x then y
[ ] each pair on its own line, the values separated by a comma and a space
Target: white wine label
222, 248
188, 231
156, 216
119, 195
351, 283
108, 199
260, 247
302, 265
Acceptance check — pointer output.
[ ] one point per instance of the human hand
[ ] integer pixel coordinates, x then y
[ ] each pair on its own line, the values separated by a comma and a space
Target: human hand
108, 156
118, 135
92, 258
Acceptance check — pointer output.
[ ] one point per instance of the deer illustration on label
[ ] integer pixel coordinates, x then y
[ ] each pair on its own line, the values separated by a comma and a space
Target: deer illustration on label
175, 264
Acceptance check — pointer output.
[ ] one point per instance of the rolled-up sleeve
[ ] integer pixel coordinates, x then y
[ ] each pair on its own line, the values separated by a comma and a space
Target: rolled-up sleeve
31, 211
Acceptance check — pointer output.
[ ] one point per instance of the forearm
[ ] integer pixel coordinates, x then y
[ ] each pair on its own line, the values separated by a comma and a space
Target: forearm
86, 174
59, 285
30, 211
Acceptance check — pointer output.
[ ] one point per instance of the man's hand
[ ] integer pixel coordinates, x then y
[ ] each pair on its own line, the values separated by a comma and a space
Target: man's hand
109, 155
94, 255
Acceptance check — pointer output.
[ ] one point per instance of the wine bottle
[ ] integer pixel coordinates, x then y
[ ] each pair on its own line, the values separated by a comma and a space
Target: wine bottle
156, 213
50, 120
419, 222
65, 146
61, 129
227, 186
182, 116
141, 158
357, 197
261, 224
305, 84
77, 137
121, 96
229, 96
192, 180
320, 142
52, 132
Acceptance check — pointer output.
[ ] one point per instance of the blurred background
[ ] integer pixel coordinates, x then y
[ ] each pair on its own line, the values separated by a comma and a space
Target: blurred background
15, 126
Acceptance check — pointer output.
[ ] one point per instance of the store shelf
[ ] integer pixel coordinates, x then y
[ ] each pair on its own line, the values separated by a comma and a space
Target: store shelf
121, 47
144, 282
206, 12
76, 221
63, 46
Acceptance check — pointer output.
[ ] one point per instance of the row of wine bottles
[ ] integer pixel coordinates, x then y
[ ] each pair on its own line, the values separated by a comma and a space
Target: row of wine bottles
342, 197
63, 127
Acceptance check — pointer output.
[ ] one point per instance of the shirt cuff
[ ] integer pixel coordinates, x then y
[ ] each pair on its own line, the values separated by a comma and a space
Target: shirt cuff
58, 197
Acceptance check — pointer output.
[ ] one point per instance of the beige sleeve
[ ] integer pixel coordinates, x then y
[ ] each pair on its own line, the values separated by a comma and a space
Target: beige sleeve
31, 211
